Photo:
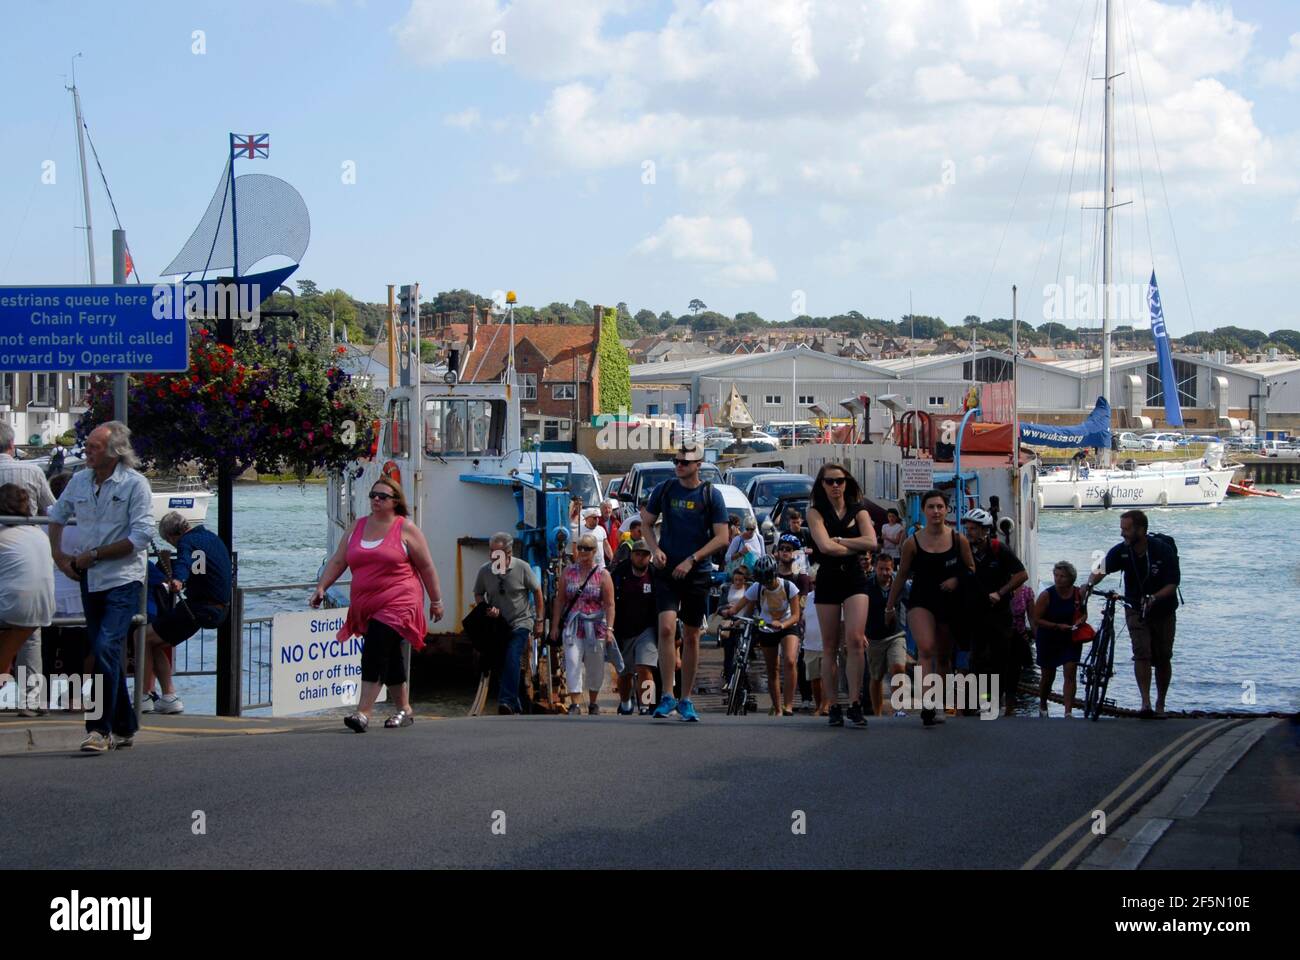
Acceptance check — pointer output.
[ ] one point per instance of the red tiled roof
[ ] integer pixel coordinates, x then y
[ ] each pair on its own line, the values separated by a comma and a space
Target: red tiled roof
561, 344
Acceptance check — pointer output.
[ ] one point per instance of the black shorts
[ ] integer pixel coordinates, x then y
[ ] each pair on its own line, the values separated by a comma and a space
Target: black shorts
687, 597
772, 638
381, 657
942, 605
174, 626
835, 584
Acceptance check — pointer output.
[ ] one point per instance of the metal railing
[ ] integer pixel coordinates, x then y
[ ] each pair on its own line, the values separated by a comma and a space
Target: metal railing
253, 634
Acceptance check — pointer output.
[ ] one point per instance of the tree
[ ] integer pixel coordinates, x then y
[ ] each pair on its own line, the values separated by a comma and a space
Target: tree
709, 321
1286, 338
428, 351
926, 327
696, 305
457, 303
615, 382
628, 328
970, 320
1055, 331
307, 289
647, 321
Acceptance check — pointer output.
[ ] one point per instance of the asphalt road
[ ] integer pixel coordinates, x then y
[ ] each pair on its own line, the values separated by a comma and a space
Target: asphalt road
578, 792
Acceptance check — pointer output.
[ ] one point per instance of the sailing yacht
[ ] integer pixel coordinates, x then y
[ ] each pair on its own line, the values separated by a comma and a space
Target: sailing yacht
1196, 482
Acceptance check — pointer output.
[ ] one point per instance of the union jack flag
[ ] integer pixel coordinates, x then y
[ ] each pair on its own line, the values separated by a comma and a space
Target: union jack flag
250, 146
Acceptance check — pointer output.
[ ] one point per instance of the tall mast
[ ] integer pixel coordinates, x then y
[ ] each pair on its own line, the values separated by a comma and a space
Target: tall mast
85, 184
1108, 207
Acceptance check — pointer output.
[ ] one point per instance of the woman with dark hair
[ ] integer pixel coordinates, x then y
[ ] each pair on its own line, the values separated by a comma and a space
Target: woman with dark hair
389, 558
936, 557
891, 535
841, 531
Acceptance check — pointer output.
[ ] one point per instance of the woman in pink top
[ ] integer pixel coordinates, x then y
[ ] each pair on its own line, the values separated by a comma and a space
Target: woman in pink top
388, 558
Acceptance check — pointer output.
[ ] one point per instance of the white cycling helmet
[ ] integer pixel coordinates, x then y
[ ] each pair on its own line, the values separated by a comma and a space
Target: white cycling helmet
982, 517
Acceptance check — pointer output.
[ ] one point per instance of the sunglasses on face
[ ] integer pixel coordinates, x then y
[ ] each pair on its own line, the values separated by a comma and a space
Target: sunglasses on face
375, 495
586, 549
683, 463
834, 481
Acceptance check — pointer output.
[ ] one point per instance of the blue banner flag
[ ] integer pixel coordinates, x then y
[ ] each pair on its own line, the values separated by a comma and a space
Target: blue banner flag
1173, 412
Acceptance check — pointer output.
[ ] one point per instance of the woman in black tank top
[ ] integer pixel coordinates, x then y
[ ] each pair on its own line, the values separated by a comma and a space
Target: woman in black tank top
936, 558
841, 532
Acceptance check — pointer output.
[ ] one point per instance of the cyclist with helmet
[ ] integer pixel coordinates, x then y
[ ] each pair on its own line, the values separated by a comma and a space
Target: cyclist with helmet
998, 575
779, 606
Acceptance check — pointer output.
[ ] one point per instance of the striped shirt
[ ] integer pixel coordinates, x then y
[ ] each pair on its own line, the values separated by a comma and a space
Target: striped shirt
31, 478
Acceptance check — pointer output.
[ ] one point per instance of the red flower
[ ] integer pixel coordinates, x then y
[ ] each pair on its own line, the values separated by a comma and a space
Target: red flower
341, 350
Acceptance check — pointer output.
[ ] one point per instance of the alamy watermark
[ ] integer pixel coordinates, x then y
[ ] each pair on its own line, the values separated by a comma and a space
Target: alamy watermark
621, 432
63, 691
964, 691
1073, 301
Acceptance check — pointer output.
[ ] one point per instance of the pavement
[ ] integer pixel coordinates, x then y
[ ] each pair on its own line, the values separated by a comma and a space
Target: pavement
608, 791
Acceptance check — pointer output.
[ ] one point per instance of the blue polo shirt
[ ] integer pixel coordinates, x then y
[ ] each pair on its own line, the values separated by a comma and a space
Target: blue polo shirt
212, 586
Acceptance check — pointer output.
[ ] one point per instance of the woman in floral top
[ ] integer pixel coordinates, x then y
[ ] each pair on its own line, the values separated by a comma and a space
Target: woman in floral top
588, 595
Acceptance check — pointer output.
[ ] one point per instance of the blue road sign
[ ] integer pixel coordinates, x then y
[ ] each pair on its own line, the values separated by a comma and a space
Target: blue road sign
129, 328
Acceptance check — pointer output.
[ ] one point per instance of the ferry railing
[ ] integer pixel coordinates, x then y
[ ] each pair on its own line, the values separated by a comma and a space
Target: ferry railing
252, 634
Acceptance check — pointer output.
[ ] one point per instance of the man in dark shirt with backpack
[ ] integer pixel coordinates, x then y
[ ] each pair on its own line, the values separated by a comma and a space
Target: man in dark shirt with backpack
694, 528
1151, 578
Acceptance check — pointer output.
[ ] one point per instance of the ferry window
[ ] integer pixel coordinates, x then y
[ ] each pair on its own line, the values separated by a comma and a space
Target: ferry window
563, 391
399, 428
460, 428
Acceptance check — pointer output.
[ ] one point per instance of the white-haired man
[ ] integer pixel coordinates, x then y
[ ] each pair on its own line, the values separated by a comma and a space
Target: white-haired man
112, 504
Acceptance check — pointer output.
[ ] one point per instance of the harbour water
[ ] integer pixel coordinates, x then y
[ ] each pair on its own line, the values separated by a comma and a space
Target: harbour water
1235, 637
1241, 580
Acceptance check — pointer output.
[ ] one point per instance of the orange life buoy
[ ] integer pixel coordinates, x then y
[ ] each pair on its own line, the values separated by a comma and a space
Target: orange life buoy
393, 472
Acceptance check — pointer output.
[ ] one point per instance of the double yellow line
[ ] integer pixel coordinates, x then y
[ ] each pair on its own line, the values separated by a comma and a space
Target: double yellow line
1175, 752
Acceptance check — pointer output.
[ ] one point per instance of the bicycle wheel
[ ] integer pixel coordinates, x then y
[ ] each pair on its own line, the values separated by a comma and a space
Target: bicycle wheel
736, 695
1098, 668
1107, 661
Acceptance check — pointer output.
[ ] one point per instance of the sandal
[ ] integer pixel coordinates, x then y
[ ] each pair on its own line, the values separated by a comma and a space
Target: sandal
402, 718
358, 722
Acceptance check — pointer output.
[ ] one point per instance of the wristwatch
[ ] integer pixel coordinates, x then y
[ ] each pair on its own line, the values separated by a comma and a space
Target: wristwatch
94, 554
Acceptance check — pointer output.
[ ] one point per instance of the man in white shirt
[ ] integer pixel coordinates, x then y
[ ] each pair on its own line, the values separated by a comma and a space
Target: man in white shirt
112, 504
26, 475
591, 525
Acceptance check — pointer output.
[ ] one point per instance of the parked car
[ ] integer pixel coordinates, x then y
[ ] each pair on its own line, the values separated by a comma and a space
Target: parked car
740, 477
611, 490
1280, 448
1129, 441
1163, 442
638, 483
764, 491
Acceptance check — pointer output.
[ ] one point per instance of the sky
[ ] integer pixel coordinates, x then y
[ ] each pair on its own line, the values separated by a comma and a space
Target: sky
780, 156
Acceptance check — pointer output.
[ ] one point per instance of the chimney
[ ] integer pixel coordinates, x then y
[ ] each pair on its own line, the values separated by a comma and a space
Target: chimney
473, 324
1272, 353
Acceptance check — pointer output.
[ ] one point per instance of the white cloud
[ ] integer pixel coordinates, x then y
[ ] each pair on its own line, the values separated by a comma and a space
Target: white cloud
725, 246
1285, 71
465, 119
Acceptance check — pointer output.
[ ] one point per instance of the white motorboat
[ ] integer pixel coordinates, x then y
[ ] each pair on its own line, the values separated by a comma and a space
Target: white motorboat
1187, 483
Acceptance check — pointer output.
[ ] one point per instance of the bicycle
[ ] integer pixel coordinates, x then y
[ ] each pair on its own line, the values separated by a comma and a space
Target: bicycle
1099, 666
740, 700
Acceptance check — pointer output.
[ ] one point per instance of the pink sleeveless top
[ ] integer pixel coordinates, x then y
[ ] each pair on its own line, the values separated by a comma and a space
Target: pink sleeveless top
385, 587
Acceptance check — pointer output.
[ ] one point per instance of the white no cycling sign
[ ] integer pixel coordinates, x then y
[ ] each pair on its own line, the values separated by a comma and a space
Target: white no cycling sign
311, 669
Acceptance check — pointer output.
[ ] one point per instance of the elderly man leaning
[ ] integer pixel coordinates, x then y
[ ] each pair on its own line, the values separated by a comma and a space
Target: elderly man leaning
504, 583
111, 503
202, 569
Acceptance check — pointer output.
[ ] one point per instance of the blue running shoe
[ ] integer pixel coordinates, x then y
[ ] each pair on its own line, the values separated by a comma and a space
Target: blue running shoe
687, 710
667, 704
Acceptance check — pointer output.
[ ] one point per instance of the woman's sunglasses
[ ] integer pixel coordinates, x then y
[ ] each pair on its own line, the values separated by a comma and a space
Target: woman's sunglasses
381, 496
586, 549
834, 481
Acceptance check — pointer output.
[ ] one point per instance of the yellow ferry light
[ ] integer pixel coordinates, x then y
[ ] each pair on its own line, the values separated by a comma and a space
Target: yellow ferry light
510, 296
